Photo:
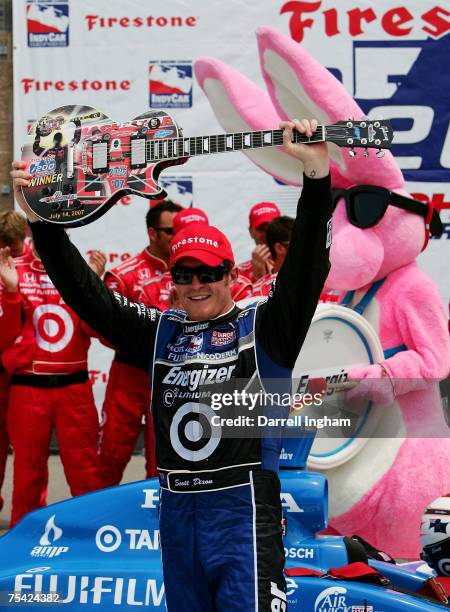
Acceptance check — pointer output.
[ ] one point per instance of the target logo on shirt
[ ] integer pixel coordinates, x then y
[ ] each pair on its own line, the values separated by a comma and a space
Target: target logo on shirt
53, 327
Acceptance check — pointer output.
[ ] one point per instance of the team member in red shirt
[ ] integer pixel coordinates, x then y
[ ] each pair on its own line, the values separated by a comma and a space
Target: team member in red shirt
49, 388
260, 216
127, 397
12, 245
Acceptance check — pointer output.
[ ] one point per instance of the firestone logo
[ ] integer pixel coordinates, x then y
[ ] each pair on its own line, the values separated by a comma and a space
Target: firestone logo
95, 22
398, 21
194, 240
30, 84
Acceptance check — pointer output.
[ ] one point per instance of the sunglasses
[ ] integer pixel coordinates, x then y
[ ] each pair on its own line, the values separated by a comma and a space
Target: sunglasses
167, 230
206, 274
366, 205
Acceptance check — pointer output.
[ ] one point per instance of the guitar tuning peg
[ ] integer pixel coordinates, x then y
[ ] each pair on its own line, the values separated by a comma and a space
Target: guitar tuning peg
380, 153
352, 152
350, 118
366, 152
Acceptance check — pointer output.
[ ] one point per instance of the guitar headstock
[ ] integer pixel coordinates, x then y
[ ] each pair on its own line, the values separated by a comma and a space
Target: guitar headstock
368, 134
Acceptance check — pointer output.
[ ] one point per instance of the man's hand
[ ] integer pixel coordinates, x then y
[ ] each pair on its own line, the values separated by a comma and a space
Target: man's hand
20, 179
97, 262
8, 272
261, 261
313, 156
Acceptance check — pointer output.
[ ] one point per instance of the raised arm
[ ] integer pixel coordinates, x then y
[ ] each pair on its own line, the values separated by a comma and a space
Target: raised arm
129, 327
10, 300
283, 321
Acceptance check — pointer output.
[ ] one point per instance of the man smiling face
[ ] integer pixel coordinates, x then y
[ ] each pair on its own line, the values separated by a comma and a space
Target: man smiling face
204, 300
202, 267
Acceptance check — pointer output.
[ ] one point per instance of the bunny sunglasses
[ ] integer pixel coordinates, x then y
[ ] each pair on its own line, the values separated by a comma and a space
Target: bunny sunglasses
366, 205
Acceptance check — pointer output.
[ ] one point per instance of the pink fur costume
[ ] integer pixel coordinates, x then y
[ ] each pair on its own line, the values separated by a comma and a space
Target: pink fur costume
381, 492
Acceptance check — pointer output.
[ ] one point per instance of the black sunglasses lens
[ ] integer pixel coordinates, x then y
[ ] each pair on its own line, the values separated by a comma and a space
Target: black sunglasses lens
367, 208
210, 276
206, 274
182, 277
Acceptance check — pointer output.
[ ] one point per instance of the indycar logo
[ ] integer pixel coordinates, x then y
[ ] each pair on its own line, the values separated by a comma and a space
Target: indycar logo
48, 23
170, 84
195, 344
179, 189
51, 534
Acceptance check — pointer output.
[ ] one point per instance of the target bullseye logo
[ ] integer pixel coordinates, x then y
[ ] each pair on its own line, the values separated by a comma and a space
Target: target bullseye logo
53, 327
192, 435
108, 538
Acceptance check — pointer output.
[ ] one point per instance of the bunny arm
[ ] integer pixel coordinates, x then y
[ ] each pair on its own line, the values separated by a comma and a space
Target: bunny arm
422, 323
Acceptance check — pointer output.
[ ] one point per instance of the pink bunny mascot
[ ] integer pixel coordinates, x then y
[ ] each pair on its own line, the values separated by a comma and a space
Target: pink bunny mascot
381, 492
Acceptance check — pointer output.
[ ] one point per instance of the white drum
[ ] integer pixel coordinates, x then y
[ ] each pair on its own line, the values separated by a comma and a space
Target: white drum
338, 340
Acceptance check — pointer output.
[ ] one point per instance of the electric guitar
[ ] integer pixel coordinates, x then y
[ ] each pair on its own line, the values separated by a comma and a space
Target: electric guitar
82, 162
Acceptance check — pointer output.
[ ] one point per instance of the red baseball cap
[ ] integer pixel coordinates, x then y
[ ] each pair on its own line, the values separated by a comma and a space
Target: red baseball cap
187, 216
263, 212
203, 242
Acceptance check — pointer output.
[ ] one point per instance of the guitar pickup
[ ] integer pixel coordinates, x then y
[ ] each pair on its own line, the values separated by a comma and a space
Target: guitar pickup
99, 157
138, 144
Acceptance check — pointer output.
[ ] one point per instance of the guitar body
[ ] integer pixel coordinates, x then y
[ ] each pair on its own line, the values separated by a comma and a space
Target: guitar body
81, 162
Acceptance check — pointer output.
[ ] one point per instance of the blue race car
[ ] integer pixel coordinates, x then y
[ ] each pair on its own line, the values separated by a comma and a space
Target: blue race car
102, 549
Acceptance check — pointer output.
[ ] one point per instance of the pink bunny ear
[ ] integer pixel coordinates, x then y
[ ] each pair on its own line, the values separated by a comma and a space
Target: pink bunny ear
301, 87
240, 105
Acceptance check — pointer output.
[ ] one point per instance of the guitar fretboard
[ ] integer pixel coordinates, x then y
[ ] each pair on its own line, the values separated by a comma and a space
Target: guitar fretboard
173, 148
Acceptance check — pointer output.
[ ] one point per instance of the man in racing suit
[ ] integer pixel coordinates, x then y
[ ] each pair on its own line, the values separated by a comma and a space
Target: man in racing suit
127, 396
220, 510
13, 228
49, 388
10, 325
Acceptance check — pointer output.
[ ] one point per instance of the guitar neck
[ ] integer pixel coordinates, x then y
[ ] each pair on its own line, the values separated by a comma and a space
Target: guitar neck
174, 148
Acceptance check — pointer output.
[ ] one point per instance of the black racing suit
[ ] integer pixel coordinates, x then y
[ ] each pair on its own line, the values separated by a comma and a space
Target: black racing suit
220, 511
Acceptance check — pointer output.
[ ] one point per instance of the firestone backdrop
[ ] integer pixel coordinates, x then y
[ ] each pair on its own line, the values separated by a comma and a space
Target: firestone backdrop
125, 57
